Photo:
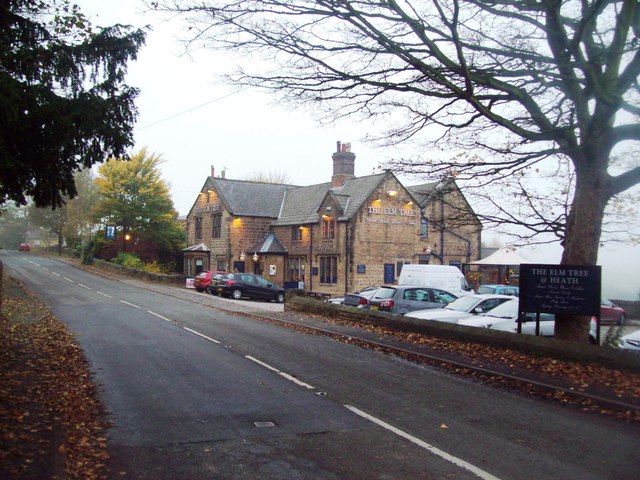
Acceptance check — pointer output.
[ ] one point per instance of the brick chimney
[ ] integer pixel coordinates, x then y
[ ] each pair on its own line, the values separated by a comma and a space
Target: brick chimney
343, 165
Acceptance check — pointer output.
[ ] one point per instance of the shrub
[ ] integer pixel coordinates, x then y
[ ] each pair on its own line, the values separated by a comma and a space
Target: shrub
129, 260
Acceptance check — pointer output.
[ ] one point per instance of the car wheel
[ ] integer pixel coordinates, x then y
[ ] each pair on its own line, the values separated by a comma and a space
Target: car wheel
280, 297
199, 290
236, 294
621, 319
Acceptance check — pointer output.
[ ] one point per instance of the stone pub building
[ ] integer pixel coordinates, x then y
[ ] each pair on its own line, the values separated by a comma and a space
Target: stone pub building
333, 237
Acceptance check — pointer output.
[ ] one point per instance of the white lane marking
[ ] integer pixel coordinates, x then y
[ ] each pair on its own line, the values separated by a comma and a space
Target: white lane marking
83, 286
56, 274
283, 374
36, 264
46, 269
130, 304
68, 279
103, 294
436, 451
201, 335
160, 316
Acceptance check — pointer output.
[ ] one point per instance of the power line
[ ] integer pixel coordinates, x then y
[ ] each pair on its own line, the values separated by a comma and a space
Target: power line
192, 109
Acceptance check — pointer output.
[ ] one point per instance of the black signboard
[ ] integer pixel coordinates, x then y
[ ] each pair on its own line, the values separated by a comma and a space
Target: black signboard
570, 289
362, 268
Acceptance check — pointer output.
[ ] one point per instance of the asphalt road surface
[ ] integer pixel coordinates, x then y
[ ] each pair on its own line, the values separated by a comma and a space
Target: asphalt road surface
194, 392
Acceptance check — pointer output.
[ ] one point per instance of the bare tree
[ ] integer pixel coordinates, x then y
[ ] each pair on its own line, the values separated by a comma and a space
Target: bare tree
269, 177
518, 83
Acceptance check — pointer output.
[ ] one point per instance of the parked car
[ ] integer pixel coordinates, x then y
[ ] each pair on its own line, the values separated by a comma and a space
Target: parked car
24, 247
512, 290
403, 299
504, 317
631, 341
203, 279
359, 299
611, 314
215, 281
249, 285
463, 307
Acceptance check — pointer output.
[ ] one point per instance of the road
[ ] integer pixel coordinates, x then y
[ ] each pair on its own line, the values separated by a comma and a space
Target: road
196, 392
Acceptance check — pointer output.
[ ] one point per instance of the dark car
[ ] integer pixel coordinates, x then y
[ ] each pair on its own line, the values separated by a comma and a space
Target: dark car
203, 279
248, 285
403, 299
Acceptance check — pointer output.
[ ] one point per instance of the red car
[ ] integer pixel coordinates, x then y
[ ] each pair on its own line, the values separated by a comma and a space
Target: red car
611, 314
203, 279
24, 247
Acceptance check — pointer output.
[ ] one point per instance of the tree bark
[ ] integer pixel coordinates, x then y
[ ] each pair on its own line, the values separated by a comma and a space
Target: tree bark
582, 239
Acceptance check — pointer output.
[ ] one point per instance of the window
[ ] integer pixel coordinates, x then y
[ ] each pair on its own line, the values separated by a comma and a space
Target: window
424, 228
329, 270
295, 273
399, 264
216, 221
328, 229
296, 234
221, 264
198, 227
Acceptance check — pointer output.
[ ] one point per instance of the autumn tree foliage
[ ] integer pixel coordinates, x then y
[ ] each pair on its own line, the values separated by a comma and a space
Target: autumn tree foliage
509, 86
136, 199
64, 104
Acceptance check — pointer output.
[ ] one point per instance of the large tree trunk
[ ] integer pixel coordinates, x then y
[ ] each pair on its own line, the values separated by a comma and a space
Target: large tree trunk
582, 239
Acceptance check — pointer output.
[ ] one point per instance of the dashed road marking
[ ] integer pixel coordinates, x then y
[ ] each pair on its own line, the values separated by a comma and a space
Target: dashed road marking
160, 316
103, 294
282, 374
201, 335
83, 286
68, 279
130, 304
436, 451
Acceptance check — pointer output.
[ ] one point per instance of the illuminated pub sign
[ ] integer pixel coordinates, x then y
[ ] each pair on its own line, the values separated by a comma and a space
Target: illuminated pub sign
570, 289
391, 215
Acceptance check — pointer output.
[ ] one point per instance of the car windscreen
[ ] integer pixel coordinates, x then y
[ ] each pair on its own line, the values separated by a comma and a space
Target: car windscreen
506, 310
486, 290
384, 292
463, 304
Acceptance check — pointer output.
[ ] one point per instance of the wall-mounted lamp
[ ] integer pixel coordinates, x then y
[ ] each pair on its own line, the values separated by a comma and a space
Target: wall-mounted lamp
242, 256
429, 251
255, 257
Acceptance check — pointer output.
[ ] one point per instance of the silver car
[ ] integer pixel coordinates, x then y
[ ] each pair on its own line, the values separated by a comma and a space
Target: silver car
463, 307
406, 298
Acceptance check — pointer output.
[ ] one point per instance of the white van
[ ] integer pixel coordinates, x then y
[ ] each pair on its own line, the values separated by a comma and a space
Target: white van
447, 277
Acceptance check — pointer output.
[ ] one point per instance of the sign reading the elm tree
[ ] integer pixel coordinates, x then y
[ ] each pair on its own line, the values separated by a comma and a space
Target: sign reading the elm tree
571, 289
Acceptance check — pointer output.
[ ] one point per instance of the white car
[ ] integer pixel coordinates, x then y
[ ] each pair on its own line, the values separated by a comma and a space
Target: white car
505, 318
463, 307
631, 341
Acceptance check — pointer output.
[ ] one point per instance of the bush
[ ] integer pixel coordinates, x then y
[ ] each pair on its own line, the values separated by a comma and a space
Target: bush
129, 260
155, 267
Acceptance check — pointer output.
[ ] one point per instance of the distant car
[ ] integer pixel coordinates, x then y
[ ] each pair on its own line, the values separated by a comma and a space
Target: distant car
405, 298
24, 247
463, 307
631, 341
203, 279
611, 314
249, 285
511, 290
359, 299
504, 317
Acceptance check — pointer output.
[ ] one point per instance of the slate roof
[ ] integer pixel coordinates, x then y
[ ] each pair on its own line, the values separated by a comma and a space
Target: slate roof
200, 247
247, 198
268, 244
301, 204
425, 193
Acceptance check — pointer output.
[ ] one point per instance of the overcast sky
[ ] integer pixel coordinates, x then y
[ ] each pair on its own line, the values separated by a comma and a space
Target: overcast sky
195, 123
